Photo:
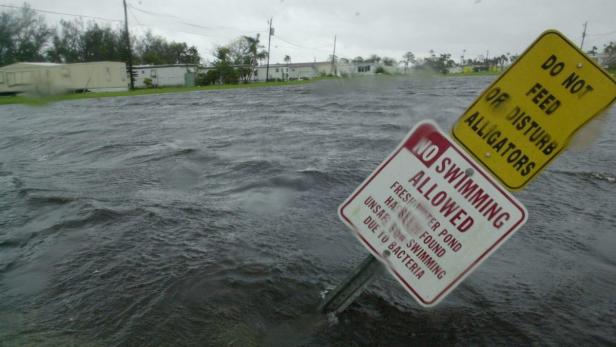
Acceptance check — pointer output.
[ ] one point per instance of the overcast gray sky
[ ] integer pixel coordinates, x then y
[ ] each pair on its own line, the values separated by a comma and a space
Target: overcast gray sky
305, 29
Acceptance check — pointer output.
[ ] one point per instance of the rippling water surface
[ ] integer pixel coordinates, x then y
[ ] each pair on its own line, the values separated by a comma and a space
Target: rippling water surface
209, 218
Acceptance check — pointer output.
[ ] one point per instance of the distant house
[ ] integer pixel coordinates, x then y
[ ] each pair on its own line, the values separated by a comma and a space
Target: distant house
322, 68
170, 75
51, 78
294, 71
299, 71
364, 68
455, 69
367, 68
604, 60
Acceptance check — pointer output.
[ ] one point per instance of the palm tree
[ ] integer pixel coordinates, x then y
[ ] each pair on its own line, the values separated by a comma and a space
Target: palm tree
287, 59
253, 46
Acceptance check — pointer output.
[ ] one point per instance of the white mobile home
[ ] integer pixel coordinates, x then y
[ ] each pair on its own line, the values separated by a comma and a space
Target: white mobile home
50, 78
294, 71
172, 75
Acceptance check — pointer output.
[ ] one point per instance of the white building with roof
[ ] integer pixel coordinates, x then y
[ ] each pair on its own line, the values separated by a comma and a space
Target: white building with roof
298, 71
51, 78
169, 75
294, 71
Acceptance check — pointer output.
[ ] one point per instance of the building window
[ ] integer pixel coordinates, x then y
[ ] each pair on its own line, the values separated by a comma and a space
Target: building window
365, 68
1, 77
277, 70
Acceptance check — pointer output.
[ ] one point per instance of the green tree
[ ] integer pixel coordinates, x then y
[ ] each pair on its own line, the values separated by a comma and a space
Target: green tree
73, 43
155, 50
408, 58
610, 51
387, 61
182, 54
373, 59
440, 63
223, 66
247, 51
102, 43
23, 35
66, 46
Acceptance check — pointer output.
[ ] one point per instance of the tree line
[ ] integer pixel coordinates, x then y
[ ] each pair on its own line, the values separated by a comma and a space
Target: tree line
26, 37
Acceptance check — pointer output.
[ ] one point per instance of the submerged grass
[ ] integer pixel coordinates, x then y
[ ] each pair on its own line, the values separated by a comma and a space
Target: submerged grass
30, 100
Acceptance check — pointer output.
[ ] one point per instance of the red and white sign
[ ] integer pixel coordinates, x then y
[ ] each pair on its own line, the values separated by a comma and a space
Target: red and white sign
431, 214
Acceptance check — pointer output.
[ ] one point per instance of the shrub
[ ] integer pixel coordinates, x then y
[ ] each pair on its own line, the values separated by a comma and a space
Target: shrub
148, 82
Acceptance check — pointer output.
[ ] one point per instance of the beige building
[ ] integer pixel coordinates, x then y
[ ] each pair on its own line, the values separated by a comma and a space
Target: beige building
51, 78
171, 75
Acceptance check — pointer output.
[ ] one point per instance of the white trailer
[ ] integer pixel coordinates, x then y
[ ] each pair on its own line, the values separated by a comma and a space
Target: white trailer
51, 78
173, 75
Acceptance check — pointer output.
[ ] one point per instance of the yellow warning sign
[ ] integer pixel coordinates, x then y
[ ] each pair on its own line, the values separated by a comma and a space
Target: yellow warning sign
526, 117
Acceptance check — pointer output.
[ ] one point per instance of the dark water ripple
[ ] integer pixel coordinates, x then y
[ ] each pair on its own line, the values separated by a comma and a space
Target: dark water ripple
209, 218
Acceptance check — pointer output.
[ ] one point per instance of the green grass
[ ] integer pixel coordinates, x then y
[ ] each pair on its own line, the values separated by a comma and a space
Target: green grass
6, 100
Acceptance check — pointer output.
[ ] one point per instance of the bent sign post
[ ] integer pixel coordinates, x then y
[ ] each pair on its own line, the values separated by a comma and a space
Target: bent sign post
523, 120
430, 214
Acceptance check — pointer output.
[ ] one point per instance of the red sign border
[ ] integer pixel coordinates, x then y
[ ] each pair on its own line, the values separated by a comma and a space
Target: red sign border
456, 281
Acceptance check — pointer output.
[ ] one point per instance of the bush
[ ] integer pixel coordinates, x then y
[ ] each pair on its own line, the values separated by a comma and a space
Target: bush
221, 74
208, 78
148, 82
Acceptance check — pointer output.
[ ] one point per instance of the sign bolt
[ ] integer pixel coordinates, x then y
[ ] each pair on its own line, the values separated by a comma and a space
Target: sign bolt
579, 65
386, 253
488, 154
469, 172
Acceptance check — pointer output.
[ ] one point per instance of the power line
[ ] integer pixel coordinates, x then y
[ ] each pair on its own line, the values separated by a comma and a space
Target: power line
182, 21
134, 17
137, 9
603, 34
176, 18
64, 13
301, 46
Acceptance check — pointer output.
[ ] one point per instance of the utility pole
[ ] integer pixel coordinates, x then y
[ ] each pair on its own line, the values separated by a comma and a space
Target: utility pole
333, 69
269, 41
583, 35
130, 56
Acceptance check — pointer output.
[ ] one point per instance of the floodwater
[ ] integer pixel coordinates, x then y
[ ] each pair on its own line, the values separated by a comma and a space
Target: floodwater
209, 219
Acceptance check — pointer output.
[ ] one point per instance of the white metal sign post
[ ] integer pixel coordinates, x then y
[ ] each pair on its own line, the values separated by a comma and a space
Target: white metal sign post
431, 214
